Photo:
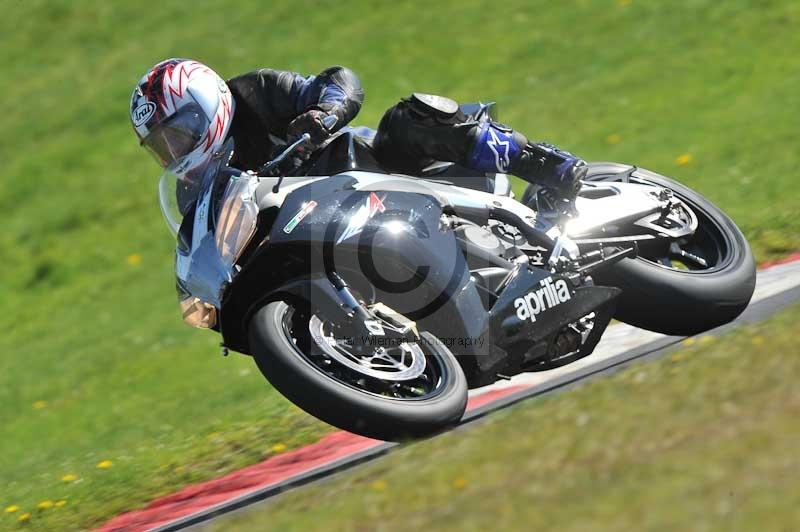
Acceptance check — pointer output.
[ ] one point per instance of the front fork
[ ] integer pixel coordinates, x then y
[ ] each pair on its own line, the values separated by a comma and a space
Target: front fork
378, 320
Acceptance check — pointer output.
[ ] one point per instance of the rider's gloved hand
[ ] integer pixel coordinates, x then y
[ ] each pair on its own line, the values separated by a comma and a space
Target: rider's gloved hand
310, 122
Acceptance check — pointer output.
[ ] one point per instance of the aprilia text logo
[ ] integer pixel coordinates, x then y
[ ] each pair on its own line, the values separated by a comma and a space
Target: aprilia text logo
548, 296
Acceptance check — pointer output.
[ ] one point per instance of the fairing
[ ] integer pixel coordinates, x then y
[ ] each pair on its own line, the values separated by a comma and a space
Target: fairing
212, 233
388, 245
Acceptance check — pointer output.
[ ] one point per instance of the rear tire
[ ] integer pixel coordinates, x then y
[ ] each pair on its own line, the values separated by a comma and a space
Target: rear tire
287, 366
676, 302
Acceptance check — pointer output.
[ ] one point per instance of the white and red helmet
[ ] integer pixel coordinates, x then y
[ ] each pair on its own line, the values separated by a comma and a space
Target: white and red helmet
181, 111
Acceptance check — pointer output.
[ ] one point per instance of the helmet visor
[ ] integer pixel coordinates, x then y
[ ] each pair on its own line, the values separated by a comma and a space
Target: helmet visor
177, 136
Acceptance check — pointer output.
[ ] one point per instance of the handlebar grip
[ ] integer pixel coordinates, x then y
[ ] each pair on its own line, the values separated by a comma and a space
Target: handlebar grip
330, 121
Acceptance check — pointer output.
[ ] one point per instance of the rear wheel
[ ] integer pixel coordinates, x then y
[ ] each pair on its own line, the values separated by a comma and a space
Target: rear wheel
684, 287
408, 390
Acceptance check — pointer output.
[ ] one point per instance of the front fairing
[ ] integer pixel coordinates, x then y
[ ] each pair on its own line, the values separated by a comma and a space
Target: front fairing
388, 245
211, 235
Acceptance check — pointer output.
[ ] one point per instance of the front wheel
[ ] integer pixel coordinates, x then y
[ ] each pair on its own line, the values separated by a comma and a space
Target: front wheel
389, 393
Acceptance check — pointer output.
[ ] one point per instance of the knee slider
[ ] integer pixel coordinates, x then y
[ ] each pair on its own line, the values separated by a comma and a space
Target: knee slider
433, 106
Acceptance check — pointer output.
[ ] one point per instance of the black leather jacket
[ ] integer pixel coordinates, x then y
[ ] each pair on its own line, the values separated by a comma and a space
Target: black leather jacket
268, 100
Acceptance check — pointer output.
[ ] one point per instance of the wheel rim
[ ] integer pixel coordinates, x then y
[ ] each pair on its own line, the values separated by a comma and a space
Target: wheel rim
427, 373
707, 250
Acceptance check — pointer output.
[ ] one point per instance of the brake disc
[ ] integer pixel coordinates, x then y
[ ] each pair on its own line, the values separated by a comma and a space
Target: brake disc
403, 362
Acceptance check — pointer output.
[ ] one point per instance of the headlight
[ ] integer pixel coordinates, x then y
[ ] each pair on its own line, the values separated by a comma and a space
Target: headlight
237, 218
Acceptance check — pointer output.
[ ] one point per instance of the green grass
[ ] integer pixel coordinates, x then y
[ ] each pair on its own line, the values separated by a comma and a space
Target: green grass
704, 439
87, 305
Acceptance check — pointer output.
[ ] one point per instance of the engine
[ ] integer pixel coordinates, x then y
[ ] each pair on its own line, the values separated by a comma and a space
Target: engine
492, 251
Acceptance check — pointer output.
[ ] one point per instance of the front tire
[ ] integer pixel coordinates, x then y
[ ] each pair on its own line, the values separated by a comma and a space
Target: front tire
286, 357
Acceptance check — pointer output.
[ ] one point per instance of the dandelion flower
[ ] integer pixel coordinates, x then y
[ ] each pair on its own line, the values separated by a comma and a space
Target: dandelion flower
24, 517
684, 159
11, 509
45, 505
60, 503
38, 405
69, 477
134, 259
460, 483
379, 485
105, 464
278, 448
704, 340
613, 139
689, 342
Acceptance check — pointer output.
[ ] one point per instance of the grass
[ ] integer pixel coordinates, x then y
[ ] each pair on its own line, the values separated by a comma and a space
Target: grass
705, 439
96, 364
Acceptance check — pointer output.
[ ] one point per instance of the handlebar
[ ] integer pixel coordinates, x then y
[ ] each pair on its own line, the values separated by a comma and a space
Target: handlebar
267, 168
329, 122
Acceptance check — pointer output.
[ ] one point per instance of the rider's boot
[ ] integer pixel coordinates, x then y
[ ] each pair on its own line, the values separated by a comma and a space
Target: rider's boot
497, 148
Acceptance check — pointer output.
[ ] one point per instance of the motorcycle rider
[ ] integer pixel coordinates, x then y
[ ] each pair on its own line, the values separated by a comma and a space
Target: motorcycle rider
183, 112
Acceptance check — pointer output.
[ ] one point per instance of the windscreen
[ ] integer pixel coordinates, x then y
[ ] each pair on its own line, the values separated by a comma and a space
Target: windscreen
176, 195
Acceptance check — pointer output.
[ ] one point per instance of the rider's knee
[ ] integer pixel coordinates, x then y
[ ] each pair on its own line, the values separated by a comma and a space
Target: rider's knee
420, 129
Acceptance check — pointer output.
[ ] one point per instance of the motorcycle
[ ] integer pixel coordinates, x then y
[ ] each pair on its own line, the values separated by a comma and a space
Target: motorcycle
374, 300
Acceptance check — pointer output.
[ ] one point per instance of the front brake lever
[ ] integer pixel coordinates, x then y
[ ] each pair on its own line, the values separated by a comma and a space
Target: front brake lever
329, 122
268, 167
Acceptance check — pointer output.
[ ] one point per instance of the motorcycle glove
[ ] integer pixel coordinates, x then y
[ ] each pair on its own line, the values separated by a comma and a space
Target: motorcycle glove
310, 122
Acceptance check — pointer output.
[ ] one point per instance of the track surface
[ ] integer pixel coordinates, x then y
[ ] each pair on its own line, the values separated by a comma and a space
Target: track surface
777, 286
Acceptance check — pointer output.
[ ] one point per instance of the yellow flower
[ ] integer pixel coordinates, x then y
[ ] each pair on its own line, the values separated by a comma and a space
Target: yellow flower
278, 448
105, 464
677, 357
613, 139
134, 259
758, 340
460, 483
69, 477
11, 509
24, 517
689, 342
379, 485
45, 505
684, 159
706, 340
60, 503
38, 405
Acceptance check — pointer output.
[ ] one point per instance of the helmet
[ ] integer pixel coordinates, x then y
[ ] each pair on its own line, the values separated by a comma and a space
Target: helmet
181, 111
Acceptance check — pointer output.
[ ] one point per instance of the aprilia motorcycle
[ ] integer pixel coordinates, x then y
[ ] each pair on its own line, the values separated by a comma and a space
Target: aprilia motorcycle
373, 301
